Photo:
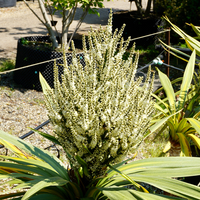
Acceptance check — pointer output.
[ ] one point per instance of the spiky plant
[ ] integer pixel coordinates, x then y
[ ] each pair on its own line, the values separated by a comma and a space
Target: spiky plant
100, 111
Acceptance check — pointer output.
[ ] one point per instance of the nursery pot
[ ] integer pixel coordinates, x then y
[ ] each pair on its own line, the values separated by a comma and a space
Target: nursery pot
53, 23
28, 55
7, 3
137, 26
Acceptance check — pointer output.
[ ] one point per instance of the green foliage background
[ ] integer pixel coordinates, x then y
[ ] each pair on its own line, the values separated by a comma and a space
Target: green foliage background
180, 12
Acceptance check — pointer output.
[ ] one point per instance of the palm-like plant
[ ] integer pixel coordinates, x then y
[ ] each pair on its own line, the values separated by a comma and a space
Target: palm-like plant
36, 174
100, 114
183, 124
192, 42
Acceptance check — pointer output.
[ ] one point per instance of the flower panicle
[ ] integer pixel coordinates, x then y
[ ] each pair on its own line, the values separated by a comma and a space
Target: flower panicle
101, 106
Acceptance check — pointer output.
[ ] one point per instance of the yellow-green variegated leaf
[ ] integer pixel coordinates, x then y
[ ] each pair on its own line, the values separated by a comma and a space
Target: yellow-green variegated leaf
157, 105
195, 139
183, 126
195, 124
182, 163
15, 194
172, 186
156, 126
138, 186
116, 193
185, 146
53, 181
191, 42
145, 171
168, 90
47, 157
196, 30
167, 147
19, 168
35, 163
177, 52
15, 150
187, 78
159, 124
44, 84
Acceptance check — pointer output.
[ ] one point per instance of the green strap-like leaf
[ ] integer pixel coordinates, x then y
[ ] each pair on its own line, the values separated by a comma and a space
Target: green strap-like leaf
142, 195
195, 124
13, 195
172, 186
168, 90
187, 78
191, 42
182, 124
22, 168
47, 136
34, 163
166, 162
53, 181
138, 186
176, 52
185, 146
158, 124
46, 196
116, 193
49, 158
44, 84
195, 139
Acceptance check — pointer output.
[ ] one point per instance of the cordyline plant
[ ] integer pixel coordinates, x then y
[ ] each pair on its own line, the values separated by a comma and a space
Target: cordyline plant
184, 127
98, 111
191, 42
100, 114
183, 124
68, 10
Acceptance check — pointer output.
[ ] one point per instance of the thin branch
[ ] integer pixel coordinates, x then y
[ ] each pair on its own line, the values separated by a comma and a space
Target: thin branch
44, 13
79, 24
51, 14
33, 11
73, 15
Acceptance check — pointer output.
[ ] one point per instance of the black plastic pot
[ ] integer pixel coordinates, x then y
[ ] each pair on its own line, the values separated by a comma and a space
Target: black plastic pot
53, 23
7, 3
137, 27
27, 55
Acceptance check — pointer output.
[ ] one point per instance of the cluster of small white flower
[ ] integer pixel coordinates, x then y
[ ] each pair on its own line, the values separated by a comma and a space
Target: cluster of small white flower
100, 111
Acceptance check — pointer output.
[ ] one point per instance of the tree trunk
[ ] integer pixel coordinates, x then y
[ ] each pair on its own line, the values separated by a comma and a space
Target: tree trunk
48, 24
175, 149
148, 8
139, 6
65, 28
46, 21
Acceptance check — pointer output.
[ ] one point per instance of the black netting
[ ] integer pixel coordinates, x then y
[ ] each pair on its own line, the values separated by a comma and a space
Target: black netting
137, 27
26, 55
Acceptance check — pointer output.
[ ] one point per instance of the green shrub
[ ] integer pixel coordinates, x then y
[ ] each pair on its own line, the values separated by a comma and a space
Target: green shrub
7, 65
180, 12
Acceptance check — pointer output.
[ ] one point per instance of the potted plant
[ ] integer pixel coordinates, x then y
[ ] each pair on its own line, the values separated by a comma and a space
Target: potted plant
27, 54
141, 22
